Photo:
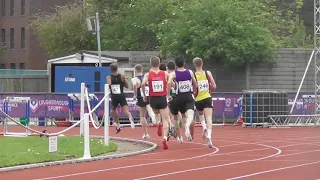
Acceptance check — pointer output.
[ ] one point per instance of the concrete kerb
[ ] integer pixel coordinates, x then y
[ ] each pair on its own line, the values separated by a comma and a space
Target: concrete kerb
97, 158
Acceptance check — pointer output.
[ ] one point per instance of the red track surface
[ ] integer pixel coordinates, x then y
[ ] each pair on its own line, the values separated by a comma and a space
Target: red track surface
240, 153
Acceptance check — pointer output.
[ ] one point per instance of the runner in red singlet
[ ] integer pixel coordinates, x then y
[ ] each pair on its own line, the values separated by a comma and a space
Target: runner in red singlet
157, 81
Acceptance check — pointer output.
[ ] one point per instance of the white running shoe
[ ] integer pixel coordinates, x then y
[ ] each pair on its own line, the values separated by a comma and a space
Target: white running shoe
204, 134
180, 139
210, 145
132, 123
145, 136
187, 133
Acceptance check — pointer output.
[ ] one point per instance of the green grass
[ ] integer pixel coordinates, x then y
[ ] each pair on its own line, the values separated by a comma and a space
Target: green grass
27, 150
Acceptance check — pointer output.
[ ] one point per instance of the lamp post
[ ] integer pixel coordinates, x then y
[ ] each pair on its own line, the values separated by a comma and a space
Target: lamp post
96, 30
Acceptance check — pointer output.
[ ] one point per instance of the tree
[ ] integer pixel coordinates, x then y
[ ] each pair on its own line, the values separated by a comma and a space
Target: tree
64, 31
135, 25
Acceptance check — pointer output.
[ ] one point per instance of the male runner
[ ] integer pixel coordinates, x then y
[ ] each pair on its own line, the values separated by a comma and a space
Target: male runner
203, 98
171, 67
157, 82
143, 106
117, 81
184, 100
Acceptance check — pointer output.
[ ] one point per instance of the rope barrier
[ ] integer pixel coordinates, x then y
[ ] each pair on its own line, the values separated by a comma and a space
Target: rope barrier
89, 108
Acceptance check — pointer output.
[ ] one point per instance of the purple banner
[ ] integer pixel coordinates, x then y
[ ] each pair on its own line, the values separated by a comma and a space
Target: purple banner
57, 105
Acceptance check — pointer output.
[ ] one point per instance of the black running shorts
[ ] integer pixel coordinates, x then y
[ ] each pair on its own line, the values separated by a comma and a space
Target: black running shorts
173, 107
141, 103
184, 102
118, 99
205, 103
158, 102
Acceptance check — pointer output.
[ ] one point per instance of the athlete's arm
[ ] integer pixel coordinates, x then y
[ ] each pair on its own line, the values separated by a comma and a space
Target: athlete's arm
170, 82
194, 81
134, 86
109, 80
125, 83
143, 84
211, 81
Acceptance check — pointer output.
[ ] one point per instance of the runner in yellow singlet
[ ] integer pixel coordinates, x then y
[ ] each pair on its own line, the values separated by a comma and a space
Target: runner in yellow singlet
203, 100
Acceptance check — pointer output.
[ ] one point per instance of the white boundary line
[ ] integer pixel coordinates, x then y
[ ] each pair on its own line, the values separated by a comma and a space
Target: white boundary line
214, 166
131, 166
273, 170
139, 165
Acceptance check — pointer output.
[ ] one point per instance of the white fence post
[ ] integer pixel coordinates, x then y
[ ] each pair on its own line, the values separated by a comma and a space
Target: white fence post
82, 95
86, 137
106, 115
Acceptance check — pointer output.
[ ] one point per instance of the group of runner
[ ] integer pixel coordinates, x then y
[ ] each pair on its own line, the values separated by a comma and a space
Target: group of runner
169, 93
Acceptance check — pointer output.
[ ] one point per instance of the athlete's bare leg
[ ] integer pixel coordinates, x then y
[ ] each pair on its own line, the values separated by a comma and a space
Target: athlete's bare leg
151, 114
158, 118
189, 121
208, 117
125, 109
116, 119
165, 116
143, 122
177, 127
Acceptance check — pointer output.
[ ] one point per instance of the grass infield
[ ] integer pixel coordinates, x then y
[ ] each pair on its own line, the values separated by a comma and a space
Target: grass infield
27, 150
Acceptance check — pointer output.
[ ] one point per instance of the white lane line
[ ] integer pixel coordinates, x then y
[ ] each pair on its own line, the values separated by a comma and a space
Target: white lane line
273, 170
214, 166
130, 166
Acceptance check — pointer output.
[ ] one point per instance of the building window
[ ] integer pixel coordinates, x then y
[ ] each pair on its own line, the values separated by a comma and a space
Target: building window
3, 37
3, 8
12, 66
11, 7
11, 38
21, 66
23, 7
23, 38
2, 66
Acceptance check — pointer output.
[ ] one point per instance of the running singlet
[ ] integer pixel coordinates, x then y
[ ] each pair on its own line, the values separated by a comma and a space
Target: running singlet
184, 81
116, 84
203, 86
173, 91
157, 83
139, 90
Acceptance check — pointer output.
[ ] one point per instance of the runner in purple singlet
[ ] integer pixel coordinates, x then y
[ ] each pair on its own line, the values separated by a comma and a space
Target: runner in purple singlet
184, 100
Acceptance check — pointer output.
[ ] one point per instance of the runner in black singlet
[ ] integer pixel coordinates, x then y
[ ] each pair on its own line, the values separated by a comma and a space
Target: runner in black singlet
116, 82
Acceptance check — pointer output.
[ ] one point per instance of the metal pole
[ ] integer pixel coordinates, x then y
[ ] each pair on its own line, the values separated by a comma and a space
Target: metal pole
106, 115
86, 137
82, 96
98, 37
301, 83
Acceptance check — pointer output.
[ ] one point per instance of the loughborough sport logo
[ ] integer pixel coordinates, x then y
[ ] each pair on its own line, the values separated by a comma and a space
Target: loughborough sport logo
34, 105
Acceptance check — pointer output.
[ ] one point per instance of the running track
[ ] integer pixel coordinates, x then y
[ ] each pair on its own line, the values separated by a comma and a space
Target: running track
239, 153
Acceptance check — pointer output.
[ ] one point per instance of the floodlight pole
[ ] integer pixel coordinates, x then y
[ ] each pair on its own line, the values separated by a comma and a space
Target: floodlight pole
98, 37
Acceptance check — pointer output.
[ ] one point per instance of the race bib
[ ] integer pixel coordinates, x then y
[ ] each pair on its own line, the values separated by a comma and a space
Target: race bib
185, 86
203, 85
146, 90
115, 89
157, 86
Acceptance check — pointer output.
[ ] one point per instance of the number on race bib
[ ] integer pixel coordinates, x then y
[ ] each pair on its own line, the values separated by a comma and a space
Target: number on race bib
203, 85
185, 86
115, 89
146, 90
157, 86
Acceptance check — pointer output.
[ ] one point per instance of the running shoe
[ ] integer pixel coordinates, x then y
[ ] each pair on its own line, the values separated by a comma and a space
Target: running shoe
159, 132
132, 123
145, 136
180, 139
210, 143
118, 129
164, 143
